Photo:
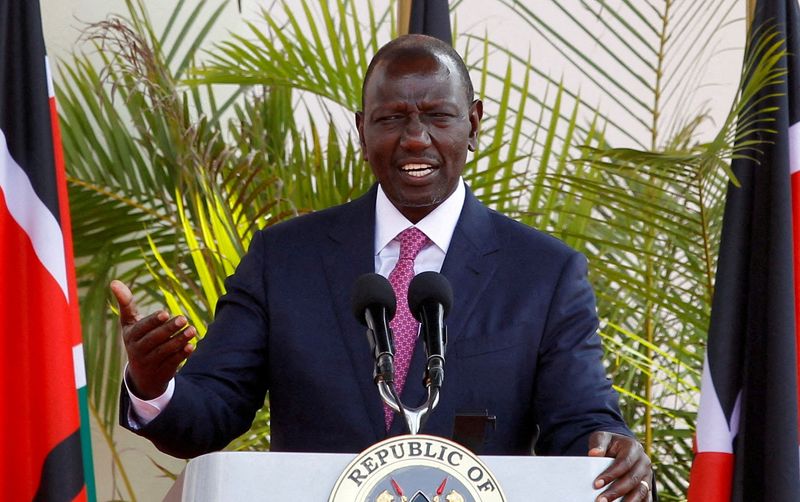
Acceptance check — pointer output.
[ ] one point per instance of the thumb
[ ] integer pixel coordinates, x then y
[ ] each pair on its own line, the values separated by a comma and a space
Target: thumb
128, 313
598, 443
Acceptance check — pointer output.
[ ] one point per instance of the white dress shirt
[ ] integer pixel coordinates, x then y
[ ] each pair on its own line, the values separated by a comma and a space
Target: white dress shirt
439, 226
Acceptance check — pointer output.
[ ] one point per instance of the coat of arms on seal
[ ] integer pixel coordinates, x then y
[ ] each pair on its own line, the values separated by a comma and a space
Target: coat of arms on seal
439, 496
416, 468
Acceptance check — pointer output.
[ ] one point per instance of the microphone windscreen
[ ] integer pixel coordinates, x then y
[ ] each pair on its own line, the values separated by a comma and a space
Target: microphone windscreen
373, 290
429, 287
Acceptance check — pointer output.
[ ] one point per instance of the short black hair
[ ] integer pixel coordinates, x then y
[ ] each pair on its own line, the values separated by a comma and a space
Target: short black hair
419, 46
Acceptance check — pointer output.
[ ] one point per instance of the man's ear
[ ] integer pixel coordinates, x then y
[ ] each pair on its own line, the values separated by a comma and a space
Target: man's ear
360, 128
475, 115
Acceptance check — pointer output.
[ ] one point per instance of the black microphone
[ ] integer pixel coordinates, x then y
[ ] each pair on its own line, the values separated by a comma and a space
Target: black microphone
374, 305
429, 299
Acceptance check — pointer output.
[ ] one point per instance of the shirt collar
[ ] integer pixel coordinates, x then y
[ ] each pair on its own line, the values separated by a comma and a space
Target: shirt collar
439, 225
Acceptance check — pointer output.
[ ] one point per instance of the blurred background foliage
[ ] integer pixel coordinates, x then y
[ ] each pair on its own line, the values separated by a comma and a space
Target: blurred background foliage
177, 150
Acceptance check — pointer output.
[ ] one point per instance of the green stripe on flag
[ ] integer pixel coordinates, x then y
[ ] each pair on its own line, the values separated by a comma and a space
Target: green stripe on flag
86, 444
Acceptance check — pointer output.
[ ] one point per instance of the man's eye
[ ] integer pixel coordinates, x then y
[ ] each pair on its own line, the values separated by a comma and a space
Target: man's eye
388, 118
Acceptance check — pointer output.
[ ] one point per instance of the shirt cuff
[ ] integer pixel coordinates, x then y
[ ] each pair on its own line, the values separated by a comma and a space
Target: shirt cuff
142, 412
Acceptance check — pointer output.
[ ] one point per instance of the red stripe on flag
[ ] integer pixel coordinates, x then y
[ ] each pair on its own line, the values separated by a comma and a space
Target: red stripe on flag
66, 225
36, 370
710, 480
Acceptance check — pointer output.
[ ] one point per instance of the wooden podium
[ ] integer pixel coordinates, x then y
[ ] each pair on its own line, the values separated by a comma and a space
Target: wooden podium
246, 477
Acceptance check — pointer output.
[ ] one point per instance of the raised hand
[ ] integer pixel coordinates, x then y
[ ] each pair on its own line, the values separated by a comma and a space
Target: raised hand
156, 345
630, 471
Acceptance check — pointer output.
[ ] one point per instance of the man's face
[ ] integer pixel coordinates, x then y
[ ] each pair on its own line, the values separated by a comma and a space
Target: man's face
415, 130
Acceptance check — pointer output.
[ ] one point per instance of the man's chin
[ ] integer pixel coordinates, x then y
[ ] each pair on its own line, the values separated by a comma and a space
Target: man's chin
427, 202
423, 198
415, 209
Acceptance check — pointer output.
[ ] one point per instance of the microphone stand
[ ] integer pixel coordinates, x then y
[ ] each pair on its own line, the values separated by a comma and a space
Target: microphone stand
414, 417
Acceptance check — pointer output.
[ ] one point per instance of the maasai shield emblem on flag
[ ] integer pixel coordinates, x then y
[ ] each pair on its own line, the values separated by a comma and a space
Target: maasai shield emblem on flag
41, 357
747, 427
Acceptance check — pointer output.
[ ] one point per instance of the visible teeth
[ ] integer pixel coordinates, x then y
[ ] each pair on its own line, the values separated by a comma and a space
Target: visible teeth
419, 174
417, 170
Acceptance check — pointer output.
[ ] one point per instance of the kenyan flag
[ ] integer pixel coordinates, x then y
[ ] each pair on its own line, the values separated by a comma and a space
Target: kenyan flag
41, 356
747, 427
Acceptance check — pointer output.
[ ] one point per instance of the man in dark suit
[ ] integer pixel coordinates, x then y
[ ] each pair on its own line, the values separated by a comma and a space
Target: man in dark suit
523, 343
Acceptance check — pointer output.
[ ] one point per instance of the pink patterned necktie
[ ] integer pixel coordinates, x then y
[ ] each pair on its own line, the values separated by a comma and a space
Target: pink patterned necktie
404, 326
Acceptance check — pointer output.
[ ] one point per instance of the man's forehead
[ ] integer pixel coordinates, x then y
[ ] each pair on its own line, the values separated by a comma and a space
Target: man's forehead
394, 69
398, 65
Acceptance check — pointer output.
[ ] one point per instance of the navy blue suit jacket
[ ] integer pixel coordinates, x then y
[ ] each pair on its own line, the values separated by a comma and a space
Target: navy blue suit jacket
522, 343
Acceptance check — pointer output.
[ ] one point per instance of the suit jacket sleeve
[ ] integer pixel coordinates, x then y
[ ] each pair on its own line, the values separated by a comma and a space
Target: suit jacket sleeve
223, 384
572, 396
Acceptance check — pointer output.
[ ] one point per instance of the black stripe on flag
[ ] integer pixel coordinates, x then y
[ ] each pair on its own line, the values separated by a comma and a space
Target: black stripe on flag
793, 43
62, 477
23, 93
431, 17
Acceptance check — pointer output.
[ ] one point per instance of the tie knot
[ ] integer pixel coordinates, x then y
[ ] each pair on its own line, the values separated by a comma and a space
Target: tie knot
412, 240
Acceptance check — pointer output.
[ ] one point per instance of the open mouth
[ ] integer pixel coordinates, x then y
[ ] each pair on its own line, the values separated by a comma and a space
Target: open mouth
417, 170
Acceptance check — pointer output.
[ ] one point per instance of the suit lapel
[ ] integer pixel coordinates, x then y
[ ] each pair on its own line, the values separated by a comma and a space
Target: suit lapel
469, 266
351, 253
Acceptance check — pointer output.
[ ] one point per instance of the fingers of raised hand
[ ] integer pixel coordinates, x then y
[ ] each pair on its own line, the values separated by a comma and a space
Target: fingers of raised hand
132, 333
174, 359
156, 337
167, 356
154, 359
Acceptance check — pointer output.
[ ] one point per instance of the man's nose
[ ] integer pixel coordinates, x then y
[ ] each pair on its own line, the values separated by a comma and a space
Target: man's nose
415, 135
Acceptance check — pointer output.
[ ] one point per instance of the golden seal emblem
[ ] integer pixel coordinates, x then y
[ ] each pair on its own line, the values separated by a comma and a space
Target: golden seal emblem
416, 468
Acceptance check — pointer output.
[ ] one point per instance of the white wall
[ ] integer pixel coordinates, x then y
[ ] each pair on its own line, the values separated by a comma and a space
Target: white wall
63, 21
